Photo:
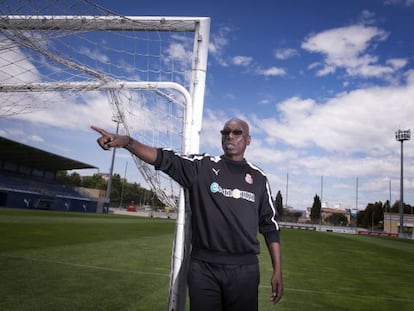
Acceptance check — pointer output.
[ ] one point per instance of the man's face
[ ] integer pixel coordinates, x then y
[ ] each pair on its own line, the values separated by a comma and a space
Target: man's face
234, 139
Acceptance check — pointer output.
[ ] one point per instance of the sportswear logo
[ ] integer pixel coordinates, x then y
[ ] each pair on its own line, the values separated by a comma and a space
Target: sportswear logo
215, 171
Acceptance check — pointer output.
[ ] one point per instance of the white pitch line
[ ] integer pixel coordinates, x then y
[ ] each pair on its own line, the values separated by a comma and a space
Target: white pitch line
342, 295
168, 275
87, 266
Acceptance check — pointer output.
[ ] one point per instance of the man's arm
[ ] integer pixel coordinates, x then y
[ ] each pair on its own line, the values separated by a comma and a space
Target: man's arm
276, 280
109, 140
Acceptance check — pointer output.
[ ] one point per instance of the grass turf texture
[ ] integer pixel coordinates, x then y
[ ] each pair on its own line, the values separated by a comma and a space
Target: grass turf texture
74, 261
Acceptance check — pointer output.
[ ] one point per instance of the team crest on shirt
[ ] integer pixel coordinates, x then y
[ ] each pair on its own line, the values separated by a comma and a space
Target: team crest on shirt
248, 178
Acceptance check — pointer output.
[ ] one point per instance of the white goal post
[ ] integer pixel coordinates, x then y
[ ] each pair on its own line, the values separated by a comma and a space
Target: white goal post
39, 64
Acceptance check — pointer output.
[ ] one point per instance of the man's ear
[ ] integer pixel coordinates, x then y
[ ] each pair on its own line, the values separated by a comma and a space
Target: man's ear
248, 140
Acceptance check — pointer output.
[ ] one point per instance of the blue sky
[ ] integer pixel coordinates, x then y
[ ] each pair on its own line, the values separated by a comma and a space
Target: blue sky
323, 84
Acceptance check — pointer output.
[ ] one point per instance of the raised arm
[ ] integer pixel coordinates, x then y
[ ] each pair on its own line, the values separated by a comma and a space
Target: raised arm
109, 140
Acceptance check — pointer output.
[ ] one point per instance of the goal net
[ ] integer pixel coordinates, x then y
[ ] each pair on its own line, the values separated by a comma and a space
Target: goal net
150, 72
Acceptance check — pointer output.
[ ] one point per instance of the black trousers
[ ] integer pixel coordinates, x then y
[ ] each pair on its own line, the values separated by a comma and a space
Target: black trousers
217, 287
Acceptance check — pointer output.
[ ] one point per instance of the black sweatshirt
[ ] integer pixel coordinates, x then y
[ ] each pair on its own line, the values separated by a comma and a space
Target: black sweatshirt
229, 201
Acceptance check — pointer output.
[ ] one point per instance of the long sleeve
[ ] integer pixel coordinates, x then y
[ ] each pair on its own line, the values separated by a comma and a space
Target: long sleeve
268, 224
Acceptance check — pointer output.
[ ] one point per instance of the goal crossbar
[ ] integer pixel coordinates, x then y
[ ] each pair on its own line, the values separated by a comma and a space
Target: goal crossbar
129, 23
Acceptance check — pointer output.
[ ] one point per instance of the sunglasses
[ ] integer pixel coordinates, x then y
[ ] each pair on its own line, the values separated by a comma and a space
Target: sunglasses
226, 132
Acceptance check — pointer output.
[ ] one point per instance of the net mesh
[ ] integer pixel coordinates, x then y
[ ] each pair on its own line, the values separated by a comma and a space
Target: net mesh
54, 52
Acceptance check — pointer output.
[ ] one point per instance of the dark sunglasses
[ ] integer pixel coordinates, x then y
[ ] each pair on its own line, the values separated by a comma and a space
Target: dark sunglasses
227, 132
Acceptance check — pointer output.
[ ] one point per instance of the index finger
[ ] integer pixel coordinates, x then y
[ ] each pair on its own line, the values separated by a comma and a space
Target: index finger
100, 131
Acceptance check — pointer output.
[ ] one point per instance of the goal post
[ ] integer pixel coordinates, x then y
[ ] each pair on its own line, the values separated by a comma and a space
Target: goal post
149, 70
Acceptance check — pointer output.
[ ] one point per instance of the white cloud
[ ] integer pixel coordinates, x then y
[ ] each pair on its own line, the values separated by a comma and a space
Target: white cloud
179, 53
346, 123
94, 54
367, 17
36, 139
15, 66
217, 44
242, 60
346, 48
285, 53
64, 112
400, 2
272, 71
397, 63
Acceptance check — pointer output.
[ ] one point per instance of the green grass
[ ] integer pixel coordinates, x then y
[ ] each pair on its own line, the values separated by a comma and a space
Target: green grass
74, 261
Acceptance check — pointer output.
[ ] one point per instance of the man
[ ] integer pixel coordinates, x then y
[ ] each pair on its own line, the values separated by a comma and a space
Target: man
230, 201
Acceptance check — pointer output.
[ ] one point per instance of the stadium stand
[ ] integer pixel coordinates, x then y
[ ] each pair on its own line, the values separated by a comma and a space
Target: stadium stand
28, 180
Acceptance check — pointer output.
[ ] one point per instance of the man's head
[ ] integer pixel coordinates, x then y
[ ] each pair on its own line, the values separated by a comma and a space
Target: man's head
235, 138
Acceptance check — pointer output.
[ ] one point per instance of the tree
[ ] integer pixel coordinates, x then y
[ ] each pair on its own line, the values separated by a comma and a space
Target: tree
292, 215
372, 216
387, 206
73, 179
279, 204
132, 193
337, 219
95, 181
116, 190
316, 209
396, 208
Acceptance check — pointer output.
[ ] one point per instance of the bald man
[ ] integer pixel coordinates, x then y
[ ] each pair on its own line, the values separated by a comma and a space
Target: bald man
230, 202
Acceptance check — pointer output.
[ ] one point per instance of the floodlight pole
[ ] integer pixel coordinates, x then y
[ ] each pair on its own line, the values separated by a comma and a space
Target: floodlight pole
401, 136
356, 200
123, 186
287, 190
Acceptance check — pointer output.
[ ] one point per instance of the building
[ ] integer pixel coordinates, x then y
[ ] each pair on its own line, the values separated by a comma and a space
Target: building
392, 223
326, 212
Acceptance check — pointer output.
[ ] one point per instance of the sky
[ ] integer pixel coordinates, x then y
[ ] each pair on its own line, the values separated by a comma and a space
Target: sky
324, 86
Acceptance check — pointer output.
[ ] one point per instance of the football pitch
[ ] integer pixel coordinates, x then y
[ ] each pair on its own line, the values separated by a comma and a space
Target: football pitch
74, 261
